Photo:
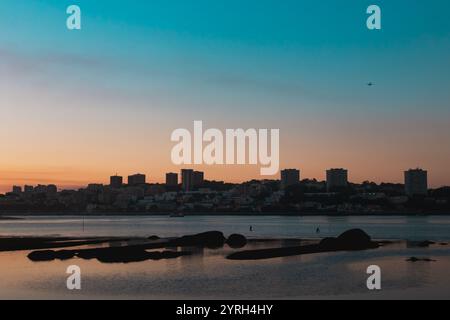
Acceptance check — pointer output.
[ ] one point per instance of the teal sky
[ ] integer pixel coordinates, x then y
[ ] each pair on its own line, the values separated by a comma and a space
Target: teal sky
145, 68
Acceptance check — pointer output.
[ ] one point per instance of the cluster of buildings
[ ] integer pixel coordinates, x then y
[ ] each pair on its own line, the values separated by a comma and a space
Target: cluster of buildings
416, 180
336, 178
190, 192
27, 189
190, 180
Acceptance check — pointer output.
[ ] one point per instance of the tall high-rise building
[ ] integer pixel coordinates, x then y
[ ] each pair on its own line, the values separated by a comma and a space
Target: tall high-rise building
136, 179
116, 181
171, 179
199, 178
289, 177
51, 188
337, 178
17, 189
416, 182
187, 179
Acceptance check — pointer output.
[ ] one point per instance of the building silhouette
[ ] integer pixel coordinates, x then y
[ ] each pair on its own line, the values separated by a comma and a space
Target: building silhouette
171, 179
187, 180
337, 178
16, 189
116, 181
51, 188
416, 182
199, 178
136, 179
289, 177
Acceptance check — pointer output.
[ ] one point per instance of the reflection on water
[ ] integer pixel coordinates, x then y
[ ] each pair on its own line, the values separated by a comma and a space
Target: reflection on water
207, 274
380, 227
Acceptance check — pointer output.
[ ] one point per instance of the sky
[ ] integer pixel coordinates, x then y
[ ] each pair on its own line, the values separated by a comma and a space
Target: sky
78, 106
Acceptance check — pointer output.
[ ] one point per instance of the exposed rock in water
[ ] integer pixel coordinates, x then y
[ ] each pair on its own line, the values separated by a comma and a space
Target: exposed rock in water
355, 239
135, 252
236, 241
106, 255
44, 255
210, 239
415, 259
65, 254
49, 255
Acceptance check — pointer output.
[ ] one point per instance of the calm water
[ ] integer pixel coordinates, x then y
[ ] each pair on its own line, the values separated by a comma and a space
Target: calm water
379, 227
207, 274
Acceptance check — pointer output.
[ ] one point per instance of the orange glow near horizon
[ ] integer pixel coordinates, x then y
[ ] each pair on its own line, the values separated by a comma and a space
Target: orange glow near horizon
74, 145
76, 166
364, 166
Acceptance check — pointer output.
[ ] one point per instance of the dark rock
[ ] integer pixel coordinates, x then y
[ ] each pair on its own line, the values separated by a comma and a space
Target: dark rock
106, 255
153, 238
415, 259
412, 259
211, 239
64, 254
87, 254
121, 255
355, 239
236, 241
330, 243
43, 255
351, 240
354, 235
50, 255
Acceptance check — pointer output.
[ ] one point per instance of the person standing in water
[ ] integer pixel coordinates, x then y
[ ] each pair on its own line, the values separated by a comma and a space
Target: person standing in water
251, 228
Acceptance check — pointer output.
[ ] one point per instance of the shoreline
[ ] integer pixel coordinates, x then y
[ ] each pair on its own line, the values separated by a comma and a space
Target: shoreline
4, 218
18, 215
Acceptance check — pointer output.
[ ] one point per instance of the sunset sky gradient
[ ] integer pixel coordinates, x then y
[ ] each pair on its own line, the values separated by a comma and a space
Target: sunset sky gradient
79, 106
